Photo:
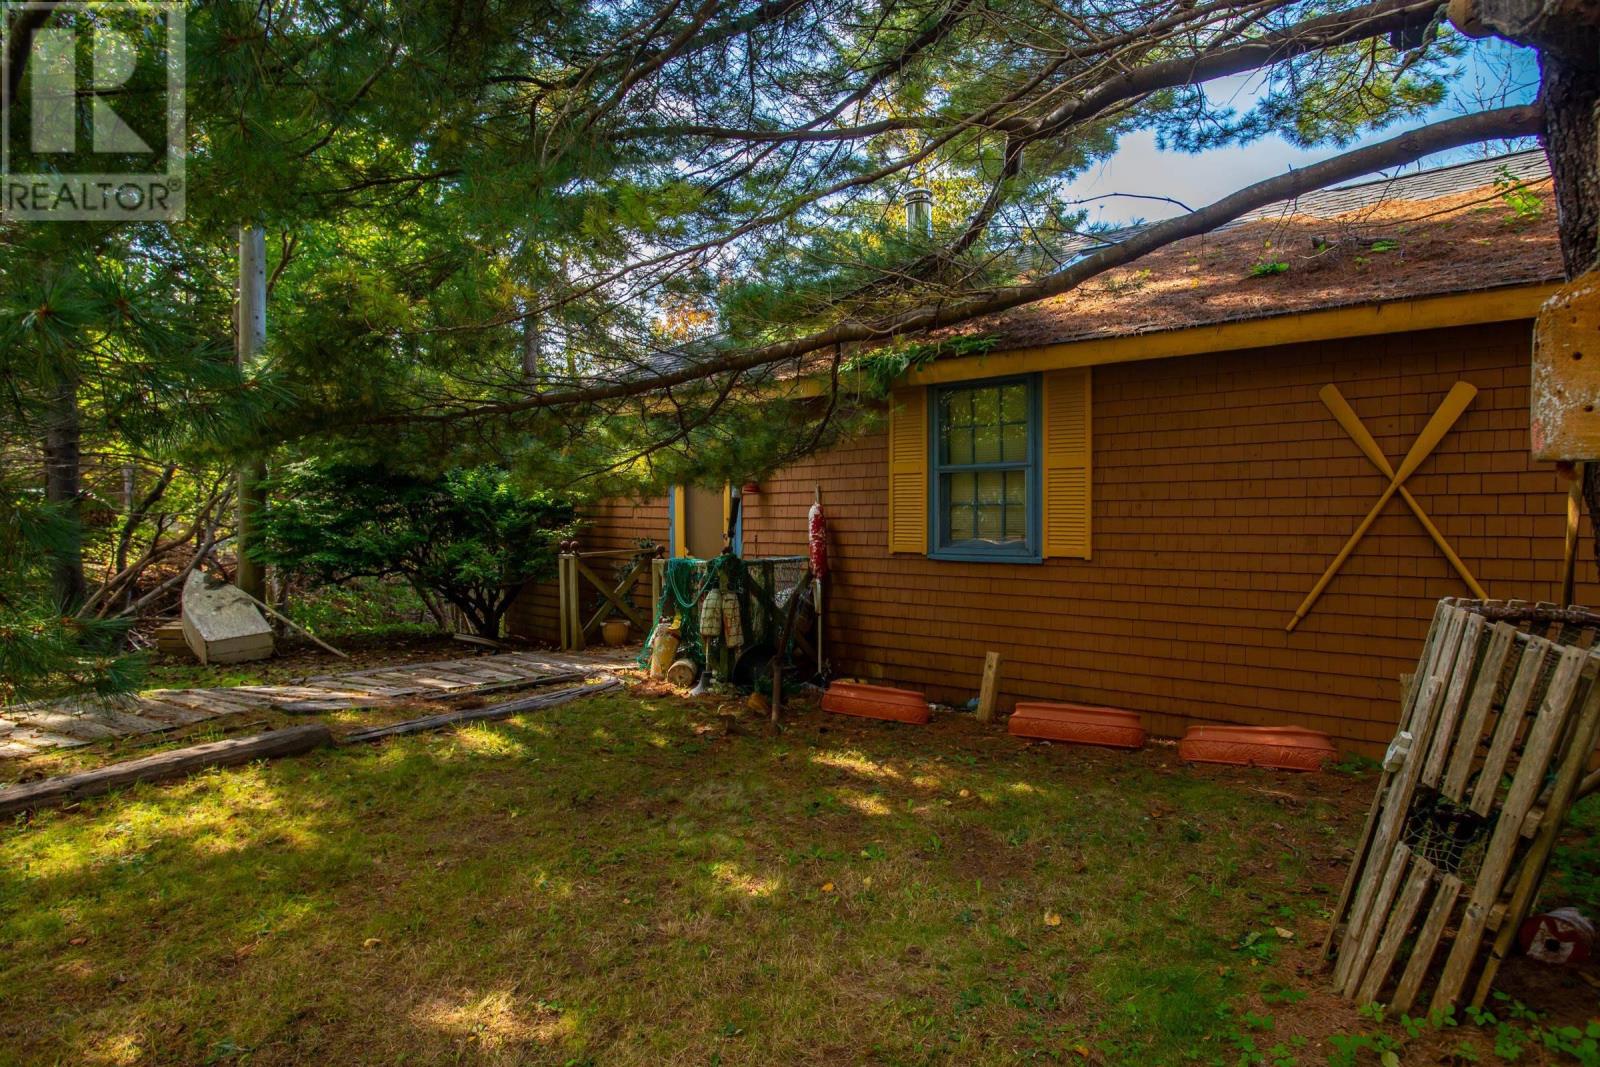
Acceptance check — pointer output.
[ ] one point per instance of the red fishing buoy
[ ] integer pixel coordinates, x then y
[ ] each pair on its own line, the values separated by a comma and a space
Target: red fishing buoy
1562, 936
817, 537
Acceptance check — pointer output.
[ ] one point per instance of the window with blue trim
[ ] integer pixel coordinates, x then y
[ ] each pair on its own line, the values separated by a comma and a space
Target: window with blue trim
985, 470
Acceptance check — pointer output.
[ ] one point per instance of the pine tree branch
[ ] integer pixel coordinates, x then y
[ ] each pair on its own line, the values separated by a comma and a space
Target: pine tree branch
1406, 148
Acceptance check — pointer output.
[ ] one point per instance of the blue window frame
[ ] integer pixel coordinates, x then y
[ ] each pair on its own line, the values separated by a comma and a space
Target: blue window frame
984, 474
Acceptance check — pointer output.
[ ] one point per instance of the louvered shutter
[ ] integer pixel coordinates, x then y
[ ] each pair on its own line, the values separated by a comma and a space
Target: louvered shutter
908, 470
1066, 463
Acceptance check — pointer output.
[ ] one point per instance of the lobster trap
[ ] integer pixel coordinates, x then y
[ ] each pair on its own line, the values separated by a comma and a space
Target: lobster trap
1496, 728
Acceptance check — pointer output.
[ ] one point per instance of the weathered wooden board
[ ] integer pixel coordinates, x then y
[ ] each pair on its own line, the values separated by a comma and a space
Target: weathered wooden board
1502, 643
1418, 879
67, 724
1565, 387
1427, 943
33, 728
488, 714
176, 714
1354, 958
1510, 724
162, 766
1553, 711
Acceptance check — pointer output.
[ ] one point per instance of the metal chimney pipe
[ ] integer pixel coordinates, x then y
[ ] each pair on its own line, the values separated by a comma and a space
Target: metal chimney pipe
919, 214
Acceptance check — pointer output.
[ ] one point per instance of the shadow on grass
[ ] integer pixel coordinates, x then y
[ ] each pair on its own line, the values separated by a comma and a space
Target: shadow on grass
616, 881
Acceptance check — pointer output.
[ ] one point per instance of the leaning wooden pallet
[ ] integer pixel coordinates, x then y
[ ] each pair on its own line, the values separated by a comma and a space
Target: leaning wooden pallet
1462, 824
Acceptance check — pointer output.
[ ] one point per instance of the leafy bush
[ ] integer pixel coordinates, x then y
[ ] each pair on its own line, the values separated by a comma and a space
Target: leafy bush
467, 537
365, 607
44, 653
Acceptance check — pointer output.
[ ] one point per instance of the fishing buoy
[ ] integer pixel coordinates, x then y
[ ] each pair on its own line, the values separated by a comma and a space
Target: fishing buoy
711, 615
817, 540
662, 651
1561, 936
732, 622
682, 673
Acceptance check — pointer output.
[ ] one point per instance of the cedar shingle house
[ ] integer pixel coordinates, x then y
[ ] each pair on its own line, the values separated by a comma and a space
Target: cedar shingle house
1132, 491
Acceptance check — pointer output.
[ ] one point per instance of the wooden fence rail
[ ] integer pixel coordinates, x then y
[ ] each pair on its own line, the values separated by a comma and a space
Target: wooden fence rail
574, 573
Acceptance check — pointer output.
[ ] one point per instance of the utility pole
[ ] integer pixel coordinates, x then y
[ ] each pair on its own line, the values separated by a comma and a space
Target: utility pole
251, 339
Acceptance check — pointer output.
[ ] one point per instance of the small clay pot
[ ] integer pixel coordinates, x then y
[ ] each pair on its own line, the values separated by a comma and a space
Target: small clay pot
614, 632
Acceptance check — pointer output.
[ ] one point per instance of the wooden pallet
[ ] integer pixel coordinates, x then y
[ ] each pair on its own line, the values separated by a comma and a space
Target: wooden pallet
29, 729
1462, 823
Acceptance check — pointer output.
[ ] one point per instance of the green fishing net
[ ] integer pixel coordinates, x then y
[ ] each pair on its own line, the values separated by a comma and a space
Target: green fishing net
761, 585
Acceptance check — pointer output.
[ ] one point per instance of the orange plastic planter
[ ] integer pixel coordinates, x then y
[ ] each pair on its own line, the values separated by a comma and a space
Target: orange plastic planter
1284, 748
875, 702
1080, 724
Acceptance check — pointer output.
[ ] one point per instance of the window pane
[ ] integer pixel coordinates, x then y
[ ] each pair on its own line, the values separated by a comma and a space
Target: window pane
984, 425
991, 486
959, 445
985, 406
1014, 403
1016, 524
1016, 487
986, 444
963, 488
1016, 516
960, 522
1014, 447
989, 523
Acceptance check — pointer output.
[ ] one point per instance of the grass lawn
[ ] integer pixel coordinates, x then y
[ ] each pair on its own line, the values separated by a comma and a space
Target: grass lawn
640, 880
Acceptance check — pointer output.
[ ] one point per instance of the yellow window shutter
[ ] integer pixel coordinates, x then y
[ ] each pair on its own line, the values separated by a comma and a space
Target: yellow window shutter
908, 470
1066, 463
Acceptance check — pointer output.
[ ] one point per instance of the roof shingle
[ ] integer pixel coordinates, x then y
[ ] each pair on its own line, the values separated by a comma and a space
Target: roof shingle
1442, 231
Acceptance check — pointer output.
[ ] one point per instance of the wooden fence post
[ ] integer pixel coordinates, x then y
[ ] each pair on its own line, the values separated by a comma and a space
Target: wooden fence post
991, 681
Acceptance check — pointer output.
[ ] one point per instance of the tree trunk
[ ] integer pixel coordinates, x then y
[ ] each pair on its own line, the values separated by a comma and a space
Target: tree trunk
1570, 83
252, 338
62, 469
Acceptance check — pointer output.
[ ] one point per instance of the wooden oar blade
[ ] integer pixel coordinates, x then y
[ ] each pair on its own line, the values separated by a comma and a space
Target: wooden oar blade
1346, 417
1455, 402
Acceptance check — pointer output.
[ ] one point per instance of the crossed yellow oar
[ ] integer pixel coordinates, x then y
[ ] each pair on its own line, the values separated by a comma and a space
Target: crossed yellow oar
1456, 402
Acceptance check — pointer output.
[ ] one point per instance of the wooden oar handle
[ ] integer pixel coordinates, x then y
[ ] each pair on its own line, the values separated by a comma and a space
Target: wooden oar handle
1344, 554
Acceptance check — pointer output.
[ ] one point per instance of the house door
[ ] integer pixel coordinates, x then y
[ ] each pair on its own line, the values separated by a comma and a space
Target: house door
700, 516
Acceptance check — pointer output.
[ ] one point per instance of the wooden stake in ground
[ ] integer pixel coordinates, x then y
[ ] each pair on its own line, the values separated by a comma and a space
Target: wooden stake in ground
1569, 557
986, 691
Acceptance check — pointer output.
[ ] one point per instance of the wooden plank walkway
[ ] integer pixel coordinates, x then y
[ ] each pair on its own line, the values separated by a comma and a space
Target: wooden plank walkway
28, 729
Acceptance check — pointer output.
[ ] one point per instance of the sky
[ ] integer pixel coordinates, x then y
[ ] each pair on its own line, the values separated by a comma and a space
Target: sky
1139, 167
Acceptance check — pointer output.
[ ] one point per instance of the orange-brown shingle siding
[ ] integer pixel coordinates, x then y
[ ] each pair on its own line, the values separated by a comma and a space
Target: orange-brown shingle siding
1221, 490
